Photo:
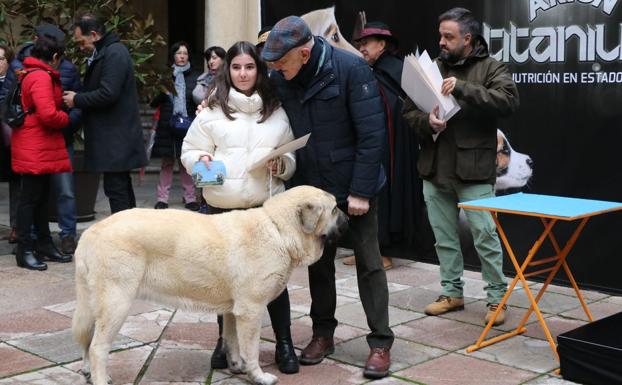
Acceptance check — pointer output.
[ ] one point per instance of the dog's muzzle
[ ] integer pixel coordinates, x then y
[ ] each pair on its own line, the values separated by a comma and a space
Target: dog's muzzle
340, 228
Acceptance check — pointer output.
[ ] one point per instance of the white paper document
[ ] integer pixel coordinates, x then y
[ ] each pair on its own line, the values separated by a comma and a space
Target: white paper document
287, 147
422, 81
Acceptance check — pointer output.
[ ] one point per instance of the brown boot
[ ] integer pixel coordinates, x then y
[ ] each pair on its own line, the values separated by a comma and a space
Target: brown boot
316, 350
492, 308
445, 304
13, 235
378, 363
349, 261
387, 263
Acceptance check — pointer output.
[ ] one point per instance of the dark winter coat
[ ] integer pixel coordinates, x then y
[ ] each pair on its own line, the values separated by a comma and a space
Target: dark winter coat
466, 151
168, 143
400, 202
38, 146
342, 109
113, 135
69, 79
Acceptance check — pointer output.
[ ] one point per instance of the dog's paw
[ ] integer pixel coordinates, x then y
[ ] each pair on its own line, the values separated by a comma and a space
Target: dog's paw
237, 366
87, 375
265, 379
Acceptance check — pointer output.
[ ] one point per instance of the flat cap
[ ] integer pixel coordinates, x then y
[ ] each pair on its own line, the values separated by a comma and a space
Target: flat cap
288, 33
51, 31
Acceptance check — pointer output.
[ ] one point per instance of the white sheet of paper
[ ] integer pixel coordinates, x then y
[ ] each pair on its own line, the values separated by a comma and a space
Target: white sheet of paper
422, 82
287, 147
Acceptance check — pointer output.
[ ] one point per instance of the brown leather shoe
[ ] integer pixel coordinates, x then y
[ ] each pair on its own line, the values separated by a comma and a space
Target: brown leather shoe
13, 235
378, 363
318, 348
349, 261
68, 245
387, 263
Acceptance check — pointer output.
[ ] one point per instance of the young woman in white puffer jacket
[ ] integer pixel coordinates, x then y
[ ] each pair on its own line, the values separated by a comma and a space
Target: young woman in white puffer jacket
242, 123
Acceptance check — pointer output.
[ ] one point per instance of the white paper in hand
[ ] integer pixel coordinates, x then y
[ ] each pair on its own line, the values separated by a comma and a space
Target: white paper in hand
287, 147
422, 82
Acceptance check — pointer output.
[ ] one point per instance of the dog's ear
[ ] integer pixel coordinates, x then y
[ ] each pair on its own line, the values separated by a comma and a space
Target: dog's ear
309, 217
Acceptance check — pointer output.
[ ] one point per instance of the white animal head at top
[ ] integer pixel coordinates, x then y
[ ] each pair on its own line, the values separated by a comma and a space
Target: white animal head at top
514, 169
322, 22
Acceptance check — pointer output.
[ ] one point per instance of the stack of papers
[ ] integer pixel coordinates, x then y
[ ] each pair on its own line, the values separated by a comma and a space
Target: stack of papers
214, 176
422, 81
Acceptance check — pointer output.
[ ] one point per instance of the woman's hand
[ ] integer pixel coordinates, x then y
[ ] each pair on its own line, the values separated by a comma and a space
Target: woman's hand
276, 166
201, 106
206, 159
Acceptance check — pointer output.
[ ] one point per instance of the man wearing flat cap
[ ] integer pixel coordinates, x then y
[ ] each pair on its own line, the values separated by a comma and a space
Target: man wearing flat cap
333, 95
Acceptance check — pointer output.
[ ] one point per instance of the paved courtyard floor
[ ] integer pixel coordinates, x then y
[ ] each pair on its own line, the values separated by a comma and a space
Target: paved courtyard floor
159, 345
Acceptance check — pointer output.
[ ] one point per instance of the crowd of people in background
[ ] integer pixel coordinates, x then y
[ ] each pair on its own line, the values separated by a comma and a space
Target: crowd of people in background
370, 146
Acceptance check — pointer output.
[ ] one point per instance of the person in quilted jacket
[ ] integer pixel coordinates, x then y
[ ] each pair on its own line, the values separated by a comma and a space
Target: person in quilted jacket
38, 150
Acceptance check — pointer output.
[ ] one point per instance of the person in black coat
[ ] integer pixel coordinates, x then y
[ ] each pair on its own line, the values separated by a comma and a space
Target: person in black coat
400, 202
168, 140
333, 95
113, 137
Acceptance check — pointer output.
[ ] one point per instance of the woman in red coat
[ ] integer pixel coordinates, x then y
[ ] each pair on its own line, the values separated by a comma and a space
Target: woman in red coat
38, 151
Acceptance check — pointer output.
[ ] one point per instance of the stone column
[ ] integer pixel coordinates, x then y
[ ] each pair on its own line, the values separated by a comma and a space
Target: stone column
228, 21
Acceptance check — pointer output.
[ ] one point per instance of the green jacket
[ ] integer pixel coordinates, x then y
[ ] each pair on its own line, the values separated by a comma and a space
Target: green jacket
465, 152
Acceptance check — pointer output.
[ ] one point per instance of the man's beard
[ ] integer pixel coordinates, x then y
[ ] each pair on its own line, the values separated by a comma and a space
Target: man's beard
451, 56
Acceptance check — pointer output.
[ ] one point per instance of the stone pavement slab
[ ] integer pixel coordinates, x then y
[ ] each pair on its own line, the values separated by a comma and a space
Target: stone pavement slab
520, 352
14, 361
454, 369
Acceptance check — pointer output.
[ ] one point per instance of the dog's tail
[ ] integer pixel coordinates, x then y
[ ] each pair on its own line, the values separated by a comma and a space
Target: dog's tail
83, 323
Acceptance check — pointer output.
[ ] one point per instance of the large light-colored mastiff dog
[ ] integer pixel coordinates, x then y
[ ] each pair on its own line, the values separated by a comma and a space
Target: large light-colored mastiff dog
233, 263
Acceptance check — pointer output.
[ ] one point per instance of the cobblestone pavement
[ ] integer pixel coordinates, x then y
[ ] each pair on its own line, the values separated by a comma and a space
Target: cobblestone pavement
159, 345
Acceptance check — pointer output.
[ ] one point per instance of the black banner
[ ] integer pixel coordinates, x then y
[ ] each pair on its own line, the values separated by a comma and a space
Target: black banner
566, 58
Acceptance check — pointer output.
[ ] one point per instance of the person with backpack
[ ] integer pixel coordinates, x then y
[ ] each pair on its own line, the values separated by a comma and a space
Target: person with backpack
38, 150
62, 183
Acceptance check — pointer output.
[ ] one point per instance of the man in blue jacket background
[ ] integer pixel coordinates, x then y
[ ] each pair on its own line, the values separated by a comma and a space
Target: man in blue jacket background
334, 96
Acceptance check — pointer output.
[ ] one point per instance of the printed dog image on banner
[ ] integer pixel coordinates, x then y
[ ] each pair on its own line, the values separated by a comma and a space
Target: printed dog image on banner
514, 170
322, 22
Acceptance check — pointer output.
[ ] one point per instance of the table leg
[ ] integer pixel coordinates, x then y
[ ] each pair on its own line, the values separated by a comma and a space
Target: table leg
566, 250
519, 276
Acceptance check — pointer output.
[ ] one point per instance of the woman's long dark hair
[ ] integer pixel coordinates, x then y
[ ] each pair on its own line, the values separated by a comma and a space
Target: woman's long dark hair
219, 89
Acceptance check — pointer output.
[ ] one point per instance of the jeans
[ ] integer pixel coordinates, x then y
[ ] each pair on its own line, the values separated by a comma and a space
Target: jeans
63, 184
443, 213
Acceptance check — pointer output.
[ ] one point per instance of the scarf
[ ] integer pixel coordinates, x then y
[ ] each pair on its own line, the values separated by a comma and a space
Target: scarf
179, 100
312, 67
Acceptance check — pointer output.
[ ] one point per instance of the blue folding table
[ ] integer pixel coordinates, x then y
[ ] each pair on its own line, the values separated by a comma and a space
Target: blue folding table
550, 210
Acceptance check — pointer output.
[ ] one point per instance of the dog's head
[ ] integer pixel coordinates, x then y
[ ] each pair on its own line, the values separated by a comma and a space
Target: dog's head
513, 168
307, 217
322, 22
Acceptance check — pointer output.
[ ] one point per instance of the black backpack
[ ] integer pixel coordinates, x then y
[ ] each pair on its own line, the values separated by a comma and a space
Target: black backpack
13, 112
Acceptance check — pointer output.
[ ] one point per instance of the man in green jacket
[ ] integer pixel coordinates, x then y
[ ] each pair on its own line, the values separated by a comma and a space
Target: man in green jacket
457, 158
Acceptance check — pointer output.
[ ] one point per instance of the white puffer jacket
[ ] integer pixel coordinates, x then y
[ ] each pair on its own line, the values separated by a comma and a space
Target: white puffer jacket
239, 143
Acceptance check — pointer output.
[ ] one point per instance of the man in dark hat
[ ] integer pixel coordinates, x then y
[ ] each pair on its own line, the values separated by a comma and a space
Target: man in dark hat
262, 36
400, 202
333, 95
62, 183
